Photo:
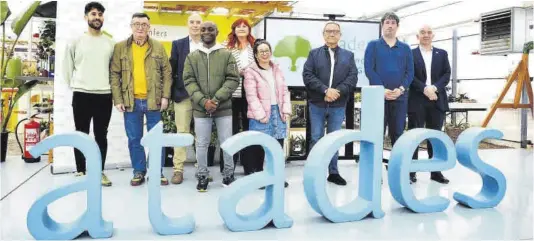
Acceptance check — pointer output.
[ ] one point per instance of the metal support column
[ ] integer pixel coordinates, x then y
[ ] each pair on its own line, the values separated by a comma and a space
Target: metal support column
29, 94
454, 70
524, 111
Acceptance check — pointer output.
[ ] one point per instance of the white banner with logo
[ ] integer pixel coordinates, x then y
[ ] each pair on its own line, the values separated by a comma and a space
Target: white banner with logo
167, 33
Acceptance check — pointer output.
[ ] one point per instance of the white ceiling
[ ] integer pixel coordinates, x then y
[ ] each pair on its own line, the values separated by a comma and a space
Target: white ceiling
433, 13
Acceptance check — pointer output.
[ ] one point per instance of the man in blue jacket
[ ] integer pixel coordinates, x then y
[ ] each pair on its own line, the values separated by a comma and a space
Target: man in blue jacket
330, 76
389, 62
428, 98
182, 104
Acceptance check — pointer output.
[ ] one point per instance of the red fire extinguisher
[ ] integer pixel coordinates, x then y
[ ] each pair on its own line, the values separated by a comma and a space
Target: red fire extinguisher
32, 131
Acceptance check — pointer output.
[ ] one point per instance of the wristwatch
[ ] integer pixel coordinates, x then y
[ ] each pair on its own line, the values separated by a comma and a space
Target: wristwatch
402, 89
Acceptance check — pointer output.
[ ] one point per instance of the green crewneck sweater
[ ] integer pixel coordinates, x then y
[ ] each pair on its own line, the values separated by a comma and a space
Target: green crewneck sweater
86, 64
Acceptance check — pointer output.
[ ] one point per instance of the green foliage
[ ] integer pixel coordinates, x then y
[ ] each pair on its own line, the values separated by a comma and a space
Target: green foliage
22, 89
19, 23
48, 38
4, 12
528, 46
167, 117
358, 97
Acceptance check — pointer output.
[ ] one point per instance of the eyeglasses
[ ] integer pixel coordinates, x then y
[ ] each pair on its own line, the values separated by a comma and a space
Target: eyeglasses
140, 25
264, 52
336, 32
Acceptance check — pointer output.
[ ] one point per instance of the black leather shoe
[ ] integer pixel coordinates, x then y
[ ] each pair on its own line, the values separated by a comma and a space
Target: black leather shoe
337, 179
438, 177
413, 179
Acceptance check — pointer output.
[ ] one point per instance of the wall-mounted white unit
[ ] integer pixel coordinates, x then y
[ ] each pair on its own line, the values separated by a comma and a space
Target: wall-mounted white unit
505, 31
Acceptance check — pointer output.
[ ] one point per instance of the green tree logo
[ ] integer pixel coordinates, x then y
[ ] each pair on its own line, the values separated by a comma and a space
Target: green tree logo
293, 47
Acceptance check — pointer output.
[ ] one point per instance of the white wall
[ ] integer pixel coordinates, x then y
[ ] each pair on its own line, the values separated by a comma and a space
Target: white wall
70, 24
258, 30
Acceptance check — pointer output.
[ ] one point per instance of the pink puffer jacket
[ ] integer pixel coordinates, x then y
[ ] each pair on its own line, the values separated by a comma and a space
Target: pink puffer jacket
258, 93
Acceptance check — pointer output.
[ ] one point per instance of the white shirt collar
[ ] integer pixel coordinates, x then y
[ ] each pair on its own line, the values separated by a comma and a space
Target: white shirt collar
424, 50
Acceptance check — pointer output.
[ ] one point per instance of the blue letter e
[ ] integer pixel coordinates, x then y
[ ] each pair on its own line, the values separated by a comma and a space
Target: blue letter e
39, 222
272, 177
493, 181
400, 165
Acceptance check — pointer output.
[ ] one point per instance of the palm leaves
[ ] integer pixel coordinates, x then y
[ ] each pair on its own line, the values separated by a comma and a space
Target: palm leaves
17, 26
22, 89
19, 23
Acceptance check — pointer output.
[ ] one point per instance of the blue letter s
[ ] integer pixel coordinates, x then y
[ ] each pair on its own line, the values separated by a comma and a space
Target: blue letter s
493, 181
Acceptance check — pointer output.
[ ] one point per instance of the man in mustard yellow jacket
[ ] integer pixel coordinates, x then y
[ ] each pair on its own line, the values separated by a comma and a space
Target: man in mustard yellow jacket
141, 80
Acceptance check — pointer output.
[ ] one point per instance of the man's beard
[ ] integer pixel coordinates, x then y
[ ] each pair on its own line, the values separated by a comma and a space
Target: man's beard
93, 26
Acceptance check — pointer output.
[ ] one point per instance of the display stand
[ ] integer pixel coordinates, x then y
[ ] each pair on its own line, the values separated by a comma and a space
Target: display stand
299, 142
523, 83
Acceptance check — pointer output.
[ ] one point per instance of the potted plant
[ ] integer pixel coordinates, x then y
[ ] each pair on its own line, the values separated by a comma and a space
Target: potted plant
297, 145
47, 37
454, 130
45, 48
18, 24
461, 98
169, 126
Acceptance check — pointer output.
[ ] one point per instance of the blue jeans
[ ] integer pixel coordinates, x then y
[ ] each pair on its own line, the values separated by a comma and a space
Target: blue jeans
203, 139
334, 117
133, 123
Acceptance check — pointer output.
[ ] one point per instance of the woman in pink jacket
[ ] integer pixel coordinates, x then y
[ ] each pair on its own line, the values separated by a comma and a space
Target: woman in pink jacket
268, 101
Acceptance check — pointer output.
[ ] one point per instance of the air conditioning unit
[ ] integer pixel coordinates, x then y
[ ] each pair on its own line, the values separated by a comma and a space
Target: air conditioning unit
505, 31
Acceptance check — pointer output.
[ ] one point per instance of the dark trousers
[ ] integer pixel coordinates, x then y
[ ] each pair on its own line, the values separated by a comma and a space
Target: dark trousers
426, 115
96, 107
254, 158
239, 124
395, 118
239, 115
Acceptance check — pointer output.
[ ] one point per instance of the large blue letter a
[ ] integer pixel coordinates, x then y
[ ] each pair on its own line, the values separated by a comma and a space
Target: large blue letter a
39, 222
272, 177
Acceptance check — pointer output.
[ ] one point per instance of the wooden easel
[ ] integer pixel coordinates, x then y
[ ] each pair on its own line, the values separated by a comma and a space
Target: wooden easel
523, 81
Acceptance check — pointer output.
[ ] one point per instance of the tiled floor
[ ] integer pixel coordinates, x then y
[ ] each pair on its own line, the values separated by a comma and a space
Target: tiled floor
14, 171
127, 207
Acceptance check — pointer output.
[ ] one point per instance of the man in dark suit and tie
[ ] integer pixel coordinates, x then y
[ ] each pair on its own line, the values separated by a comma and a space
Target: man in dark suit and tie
427, 102
182, 104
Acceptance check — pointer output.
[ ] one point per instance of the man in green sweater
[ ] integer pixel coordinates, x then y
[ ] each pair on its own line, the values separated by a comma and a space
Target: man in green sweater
86, 71
210, 77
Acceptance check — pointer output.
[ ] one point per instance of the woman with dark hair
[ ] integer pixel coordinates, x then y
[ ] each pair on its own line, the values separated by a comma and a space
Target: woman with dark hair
269, 107
240, 42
